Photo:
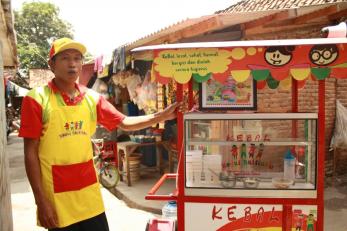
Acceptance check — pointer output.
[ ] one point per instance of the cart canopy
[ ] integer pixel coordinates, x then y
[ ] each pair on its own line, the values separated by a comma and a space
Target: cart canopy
272, 63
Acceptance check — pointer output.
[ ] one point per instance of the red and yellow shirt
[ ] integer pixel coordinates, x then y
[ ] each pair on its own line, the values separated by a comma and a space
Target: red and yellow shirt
35, 113
64, 128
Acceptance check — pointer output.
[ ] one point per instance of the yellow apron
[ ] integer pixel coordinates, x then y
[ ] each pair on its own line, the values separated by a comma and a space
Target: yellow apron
68, 174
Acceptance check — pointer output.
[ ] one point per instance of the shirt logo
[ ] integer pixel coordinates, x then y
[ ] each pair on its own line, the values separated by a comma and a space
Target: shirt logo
72, 128
73, 125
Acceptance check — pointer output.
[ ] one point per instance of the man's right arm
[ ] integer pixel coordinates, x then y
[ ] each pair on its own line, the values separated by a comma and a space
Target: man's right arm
46, 213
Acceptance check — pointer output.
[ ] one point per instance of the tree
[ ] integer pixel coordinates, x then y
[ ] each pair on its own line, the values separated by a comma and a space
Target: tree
37, 24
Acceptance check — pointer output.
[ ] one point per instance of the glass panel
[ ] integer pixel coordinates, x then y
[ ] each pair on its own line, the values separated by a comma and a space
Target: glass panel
245, 153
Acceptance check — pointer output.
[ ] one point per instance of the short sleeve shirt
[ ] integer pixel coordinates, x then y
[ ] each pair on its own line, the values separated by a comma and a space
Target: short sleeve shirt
35, 105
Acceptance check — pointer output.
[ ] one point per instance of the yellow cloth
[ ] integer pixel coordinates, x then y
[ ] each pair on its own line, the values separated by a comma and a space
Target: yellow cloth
66, 143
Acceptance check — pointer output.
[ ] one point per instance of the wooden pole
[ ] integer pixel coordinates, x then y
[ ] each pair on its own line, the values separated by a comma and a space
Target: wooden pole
6, 223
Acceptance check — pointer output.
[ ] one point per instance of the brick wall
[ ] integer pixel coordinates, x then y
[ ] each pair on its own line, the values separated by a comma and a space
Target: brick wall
280, 100
308, 102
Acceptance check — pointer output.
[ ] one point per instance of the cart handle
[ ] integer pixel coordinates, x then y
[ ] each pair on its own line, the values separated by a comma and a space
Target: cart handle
172, 196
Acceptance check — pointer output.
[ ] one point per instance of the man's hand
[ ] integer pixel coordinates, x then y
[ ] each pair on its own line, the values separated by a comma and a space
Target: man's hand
45, 211
133, 123
46, 214
169, 113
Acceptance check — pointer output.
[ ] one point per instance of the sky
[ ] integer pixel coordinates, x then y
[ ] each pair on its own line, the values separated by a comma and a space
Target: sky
104, 25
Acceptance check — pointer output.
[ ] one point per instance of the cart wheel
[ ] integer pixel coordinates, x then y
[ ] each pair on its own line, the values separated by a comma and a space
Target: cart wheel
109, 176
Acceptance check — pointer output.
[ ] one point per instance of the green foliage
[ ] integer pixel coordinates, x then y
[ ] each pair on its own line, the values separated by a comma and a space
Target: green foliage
37, 24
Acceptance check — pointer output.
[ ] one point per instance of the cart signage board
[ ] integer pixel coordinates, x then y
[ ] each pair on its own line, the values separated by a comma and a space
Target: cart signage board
269, 63
222, 217
181, 64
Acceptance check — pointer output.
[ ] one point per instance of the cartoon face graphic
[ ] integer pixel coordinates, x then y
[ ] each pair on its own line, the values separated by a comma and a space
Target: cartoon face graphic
279, 56
323, 54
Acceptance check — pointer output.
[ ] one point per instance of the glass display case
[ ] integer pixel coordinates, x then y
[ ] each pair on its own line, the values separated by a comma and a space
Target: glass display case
251, 155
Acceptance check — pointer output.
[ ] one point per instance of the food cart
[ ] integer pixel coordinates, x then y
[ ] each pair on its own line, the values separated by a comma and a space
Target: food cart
240, 169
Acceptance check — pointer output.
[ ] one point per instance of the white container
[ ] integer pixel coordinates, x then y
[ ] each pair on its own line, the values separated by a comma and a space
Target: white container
289, 166
169, 210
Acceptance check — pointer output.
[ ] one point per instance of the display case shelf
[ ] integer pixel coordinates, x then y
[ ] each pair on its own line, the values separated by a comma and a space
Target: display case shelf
251, 155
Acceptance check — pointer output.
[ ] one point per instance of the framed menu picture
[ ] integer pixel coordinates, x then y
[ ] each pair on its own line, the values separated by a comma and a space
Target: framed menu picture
229, 95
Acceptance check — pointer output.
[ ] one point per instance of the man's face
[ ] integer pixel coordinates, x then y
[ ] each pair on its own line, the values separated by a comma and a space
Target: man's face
67, 65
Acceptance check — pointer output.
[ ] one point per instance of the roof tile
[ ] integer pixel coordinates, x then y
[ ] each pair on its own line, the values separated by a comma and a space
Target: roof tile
262, 5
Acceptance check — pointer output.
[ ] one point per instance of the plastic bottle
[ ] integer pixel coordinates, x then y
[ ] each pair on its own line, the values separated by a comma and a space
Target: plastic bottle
289, 166
169, 210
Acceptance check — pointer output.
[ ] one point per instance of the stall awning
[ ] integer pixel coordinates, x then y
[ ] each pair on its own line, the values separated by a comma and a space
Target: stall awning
271, 63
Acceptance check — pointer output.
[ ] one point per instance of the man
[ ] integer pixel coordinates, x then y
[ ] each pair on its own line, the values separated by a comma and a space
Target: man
57, 123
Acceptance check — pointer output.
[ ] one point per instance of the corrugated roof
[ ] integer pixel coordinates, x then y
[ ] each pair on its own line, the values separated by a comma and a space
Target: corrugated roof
262, 5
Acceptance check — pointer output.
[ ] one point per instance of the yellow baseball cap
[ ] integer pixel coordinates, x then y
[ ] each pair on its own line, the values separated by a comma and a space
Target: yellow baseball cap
63, 44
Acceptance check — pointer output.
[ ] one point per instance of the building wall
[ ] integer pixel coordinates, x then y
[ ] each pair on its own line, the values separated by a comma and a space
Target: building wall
5, 189
280, 101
